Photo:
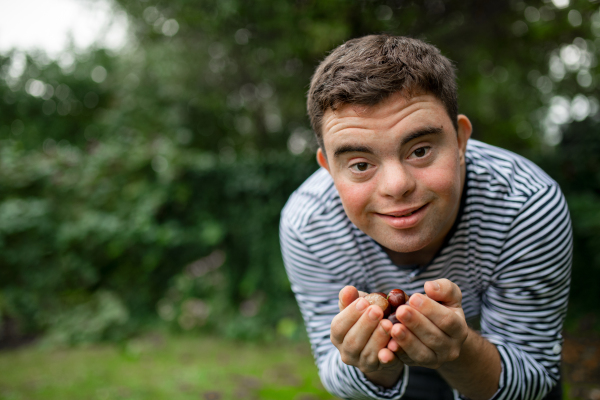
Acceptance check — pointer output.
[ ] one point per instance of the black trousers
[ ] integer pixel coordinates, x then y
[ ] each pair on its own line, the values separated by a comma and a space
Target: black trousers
427, 384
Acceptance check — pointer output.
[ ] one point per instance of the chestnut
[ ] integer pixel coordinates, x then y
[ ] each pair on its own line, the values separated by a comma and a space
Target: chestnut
379, 299
388, 303
397, 297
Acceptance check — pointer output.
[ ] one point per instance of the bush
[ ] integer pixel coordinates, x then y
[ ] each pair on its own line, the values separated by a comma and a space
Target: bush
160, 188
91, 241
576, 167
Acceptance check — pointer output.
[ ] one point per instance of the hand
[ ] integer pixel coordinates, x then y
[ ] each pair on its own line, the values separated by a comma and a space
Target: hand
433, 327
361, 335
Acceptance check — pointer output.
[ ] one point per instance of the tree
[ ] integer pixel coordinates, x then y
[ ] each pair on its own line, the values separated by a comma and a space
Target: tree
134, 169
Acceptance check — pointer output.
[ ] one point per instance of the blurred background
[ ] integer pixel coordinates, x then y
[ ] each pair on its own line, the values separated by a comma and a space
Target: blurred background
147, 148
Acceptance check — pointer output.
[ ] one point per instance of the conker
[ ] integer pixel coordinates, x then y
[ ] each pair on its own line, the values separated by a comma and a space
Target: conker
388, 303
397, 297
379, 299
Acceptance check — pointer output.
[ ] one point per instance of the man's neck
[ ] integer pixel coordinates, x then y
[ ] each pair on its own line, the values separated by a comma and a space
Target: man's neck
419, 258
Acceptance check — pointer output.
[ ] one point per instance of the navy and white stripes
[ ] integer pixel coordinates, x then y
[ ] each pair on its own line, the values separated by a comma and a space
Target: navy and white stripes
510, 254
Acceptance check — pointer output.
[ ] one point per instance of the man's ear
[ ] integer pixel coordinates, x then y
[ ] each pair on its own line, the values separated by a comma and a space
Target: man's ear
464, 133
322, 160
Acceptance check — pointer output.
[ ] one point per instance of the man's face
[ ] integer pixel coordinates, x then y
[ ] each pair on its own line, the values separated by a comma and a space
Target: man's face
399, 169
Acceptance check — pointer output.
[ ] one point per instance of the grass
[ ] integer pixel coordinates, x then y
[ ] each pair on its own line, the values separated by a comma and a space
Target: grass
162, 367
157, 367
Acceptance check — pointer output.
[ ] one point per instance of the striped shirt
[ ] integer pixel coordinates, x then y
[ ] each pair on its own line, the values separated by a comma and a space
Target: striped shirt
509, 252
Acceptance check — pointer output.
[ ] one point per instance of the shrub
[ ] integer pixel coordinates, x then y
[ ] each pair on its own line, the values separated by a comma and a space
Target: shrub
91, 241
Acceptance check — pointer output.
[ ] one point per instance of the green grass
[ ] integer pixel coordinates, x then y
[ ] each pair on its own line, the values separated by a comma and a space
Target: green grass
162, 367
157, 367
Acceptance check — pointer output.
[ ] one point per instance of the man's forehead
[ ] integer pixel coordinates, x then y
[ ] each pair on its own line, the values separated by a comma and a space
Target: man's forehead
392, 108
401, 99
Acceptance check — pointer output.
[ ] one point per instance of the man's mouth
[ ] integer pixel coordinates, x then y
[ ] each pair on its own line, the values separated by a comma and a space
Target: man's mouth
404, 218
404, 213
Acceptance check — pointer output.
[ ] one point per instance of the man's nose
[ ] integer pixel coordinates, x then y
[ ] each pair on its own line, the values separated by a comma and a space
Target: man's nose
396, 181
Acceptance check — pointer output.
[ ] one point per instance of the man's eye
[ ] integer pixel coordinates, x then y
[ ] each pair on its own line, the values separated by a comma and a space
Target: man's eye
362, 166
421, 152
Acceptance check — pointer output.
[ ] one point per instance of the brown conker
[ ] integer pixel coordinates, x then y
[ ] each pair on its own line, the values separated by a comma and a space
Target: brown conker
397, 297
388, 303
379, 299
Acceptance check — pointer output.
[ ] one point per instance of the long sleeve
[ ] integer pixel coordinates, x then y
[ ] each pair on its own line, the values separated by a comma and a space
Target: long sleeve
524, 307
316, 284
510, 254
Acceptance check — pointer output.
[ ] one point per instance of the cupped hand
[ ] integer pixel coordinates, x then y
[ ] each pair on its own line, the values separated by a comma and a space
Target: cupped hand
360, 333
433, 326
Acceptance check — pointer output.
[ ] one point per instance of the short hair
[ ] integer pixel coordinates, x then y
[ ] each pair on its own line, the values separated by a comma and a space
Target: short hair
369, 69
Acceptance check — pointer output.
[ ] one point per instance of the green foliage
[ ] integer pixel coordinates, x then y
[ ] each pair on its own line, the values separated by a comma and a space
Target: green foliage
576, 167
158, 187
102, 316
126, 217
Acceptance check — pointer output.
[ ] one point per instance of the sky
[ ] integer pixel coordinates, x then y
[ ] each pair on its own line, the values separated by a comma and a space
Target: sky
51, 25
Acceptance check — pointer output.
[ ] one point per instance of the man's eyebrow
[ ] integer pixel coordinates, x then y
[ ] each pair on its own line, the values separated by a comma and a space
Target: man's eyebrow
352, 149
430, 130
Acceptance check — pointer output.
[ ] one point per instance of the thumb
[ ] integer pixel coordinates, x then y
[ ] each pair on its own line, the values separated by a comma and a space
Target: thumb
445, 292
347, 295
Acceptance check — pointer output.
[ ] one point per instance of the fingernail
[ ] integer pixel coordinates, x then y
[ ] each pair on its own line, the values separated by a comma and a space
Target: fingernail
362, 304
386, 361
436, 286
407, 316
384, 330
401, 334
373, 314
416, 300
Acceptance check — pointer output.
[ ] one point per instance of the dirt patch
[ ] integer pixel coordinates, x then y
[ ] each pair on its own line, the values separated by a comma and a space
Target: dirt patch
581, 364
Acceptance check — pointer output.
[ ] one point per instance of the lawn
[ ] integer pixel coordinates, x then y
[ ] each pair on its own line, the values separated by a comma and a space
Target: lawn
160, 367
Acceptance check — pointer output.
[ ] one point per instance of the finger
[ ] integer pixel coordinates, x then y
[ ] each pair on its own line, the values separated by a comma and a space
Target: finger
387, 357
346, 319
413, 349
369, 356
444, 291
422, 328
398, 351
359, 334
394, 347
407, 360
442, 317
346, 296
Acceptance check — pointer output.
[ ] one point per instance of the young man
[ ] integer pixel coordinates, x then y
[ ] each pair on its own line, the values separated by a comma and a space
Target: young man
479, 237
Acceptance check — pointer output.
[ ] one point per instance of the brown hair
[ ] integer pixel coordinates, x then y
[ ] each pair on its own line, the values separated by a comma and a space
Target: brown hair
367, 70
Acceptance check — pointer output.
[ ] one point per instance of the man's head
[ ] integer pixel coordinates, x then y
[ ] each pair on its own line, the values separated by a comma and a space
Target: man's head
394, 146
367, 70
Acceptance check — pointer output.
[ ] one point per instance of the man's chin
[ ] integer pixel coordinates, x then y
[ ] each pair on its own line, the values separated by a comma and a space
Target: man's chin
404, 247
412, 247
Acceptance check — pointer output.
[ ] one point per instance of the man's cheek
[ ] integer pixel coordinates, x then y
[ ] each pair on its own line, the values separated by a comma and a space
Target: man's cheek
355, 198
444, 180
